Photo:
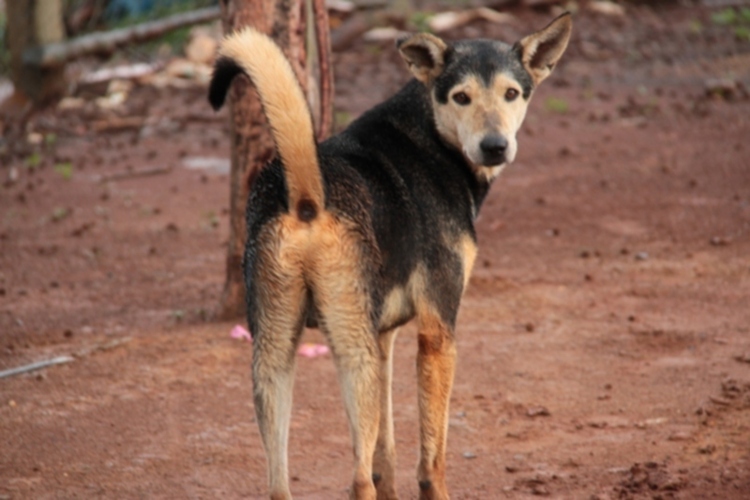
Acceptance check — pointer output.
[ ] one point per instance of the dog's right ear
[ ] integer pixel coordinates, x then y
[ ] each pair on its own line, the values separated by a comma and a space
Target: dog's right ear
425, 55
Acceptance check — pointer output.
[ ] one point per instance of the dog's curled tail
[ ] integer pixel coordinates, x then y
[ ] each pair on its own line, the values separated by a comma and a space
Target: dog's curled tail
256, 55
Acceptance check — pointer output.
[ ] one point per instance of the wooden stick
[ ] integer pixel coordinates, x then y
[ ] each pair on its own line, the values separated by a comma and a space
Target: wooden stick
35, 366
54, 54
132, 174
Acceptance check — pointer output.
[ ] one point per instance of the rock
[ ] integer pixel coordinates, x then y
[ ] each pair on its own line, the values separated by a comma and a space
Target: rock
606, 8
537, 411
719, 241
680, 436
722, 87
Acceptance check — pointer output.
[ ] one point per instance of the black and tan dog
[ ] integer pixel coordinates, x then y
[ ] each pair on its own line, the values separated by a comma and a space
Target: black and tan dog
375, 227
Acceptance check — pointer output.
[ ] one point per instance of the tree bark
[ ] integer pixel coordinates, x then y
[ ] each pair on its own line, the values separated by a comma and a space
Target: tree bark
30, 24
252, 144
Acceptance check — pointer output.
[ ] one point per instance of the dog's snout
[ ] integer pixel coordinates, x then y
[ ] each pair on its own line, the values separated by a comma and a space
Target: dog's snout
493, 149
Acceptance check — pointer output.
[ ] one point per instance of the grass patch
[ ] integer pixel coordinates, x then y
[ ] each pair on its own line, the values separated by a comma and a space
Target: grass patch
65, 170
556, 105
737, 19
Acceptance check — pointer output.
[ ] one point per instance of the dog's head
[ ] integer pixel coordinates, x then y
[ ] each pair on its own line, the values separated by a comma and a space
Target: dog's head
480, 89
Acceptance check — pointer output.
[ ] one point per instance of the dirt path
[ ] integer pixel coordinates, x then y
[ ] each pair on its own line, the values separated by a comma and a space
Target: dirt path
604, 341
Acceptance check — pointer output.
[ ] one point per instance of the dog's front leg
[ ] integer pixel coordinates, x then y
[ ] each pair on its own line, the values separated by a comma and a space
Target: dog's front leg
436, 362
384, 461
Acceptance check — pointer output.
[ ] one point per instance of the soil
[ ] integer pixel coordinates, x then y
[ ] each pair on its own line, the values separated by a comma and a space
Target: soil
604, 340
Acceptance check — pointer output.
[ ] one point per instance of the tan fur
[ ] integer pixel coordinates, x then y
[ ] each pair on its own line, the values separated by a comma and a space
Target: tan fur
323, 254
395, 306
280, 302
423, 53
384, 460
467, 249
543, 49
436, 365
334, 271
488, 112
286, 109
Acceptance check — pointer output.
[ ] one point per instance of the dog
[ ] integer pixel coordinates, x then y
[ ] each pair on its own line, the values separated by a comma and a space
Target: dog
374, 227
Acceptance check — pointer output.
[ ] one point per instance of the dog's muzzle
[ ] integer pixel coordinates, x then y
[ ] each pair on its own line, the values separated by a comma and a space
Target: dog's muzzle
493, 148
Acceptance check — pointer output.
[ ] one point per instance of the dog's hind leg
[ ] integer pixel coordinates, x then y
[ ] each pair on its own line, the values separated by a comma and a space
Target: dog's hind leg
436, 362
384, 461
356, 355
341, 298
278, 294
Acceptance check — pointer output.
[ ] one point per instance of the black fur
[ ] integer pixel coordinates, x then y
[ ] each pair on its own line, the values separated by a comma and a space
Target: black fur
484, 58
404, 183
393, 175
225, 70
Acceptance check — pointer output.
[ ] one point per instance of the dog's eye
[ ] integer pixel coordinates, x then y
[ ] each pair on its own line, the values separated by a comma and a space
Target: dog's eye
461, 98
511, 94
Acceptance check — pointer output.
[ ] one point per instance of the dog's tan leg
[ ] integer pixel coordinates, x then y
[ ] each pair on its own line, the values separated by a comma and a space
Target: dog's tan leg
272, 388
340, 295
436, 363
356, 354
384, 461
279, 294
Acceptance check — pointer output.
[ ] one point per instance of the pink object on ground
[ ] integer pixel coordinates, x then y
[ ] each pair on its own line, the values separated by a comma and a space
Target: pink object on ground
313, 350
240, 332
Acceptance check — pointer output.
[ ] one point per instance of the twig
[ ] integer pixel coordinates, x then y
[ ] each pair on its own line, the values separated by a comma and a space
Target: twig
147, 172
106, 346
116, 124
57, 53
35, 366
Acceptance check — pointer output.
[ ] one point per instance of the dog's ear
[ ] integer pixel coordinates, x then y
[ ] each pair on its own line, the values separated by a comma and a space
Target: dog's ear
540, 51
425, 55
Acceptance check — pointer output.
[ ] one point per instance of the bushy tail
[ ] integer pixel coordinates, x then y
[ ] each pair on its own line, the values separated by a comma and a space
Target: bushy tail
256, 55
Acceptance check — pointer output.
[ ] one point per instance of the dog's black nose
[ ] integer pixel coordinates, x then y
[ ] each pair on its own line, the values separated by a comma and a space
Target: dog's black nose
493, 149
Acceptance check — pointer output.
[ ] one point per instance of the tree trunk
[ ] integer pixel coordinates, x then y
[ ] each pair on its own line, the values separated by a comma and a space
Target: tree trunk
252, 145
31, 24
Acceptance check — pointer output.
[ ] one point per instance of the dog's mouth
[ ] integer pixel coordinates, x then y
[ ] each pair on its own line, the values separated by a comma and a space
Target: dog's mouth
493, 160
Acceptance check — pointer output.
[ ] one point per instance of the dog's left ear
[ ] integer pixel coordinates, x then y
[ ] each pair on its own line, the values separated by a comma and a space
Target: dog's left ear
425, 55
540, 51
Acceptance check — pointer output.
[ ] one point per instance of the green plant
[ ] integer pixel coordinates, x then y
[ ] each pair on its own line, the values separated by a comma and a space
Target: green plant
33, 160
739, 20
724, 17
421, 21
60, 213
65, 170
556, 105
742, 32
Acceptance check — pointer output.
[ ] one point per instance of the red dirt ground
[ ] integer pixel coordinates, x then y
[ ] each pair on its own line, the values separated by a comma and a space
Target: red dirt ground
604, 347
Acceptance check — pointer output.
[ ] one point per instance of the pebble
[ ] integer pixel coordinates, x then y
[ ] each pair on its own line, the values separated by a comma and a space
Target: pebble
538, 411
680, 436
606, 8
